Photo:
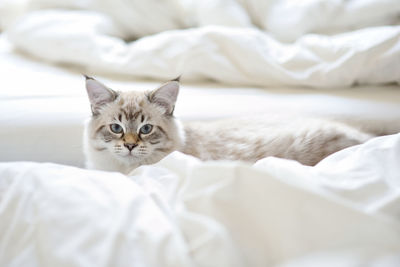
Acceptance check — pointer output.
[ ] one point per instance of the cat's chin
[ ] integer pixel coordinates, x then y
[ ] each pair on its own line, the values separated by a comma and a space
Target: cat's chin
129, 159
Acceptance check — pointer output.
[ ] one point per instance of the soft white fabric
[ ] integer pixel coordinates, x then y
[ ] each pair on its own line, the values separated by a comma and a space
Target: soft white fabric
183, 212
224, 45
285, 19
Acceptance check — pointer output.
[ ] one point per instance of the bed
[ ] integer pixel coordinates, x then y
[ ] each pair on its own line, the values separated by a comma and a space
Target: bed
181, 211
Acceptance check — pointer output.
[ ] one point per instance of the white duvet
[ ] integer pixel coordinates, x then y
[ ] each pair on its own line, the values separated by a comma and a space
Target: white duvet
317, 43
182, 212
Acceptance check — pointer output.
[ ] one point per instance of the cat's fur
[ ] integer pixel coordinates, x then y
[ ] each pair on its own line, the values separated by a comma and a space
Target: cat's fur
306, 140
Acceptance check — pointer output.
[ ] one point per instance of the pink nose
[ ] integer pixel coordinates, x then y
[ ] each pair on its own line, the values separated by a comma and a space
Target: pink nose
130, 146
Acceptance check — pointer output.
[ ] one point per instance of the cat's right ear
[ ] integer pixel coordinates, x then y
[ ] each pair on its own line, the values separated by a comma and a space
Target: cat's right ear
99, 94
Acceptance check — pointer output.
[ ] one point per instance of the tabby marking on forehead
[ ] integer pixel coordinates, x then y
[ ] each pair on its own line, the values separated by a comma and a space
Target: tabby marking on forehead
130, 114
136, 115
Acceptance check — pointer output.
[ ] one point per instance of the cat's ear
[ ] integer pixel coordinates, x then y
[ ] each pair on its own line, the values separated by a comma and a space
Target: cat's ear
166, 96
99, 94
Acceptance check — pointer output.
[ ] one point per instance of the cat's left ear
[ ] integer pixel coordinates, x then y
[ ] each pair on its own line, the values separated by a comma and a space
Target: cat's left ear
99, 94
166, 96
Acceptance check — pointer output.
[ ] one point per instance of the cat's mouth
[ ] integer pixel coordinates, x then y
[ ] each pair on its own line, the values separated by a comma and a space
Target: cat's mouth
130, 155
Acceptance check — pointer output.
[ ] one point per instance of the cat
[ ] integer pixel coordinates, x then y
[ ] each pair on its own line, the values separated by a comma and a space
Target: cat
130, 129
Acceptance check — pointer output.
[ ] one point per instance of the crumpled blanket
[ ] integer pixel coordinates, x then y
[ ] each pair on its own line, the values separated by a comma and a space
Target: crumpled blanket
317, 43
344, 212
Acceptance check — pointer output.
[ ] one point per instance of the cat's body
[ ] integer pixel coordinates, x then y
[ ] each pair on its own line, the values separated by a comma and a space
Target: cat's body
307, 140
130, 129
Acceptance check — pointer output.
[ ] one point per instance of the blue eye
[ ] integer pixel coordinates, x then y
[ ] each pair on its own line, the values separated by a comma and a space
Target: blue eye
145, 129
116, 128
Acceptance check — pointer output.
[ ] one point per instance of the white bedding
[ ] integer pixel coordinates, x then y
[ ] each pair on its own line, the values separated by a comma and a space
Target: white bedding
96, 34
182, 212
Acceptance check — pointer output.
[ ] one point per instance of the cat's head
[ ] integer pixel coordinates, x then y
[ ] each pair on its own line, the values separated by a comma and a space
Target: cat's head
132, 128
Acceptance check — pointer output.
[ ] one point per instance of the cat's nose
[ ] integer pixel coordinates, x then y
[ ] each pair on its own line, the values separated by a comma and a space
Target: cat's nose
130, 146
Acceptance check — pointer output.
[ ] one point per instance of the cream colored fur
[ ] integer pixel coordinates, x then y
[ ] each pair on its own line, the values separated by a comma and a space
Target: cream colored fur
105, 150
307, 140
